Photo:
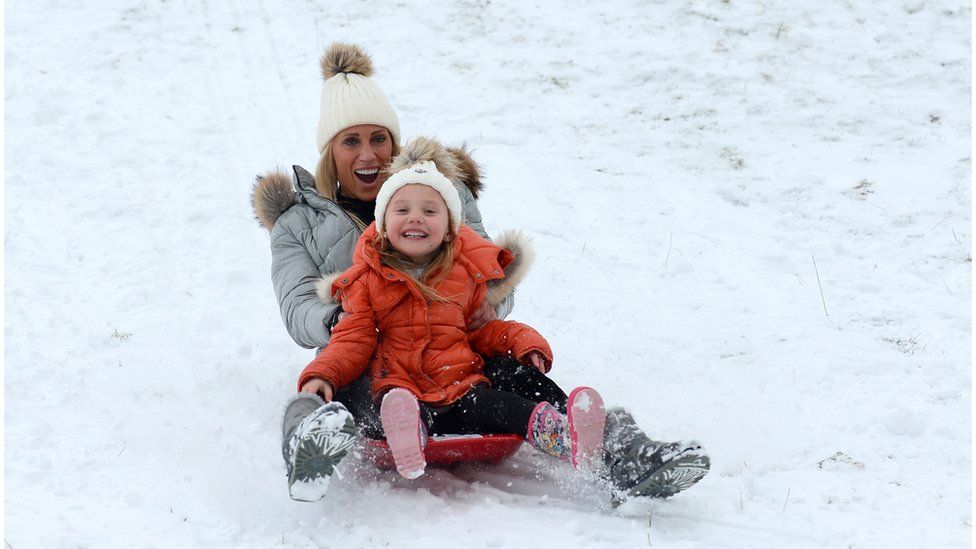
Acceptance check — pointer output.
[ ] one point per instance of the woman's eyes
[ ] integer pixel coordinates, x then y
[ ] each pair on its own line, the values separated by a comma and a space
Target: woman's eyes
354, 141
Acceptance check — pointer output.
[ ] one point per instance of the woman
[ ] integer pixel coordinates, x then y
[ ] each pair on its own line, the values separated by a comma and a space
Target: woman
315, 223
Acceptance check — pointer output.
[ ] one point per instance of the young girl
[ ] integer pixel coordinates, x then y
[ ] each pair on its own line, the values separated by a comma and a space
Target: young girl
417, 274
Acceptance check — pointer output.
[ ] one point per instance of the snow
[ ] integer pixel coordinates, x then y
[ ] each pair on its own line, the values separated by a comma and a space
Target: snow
752, 223
583, 402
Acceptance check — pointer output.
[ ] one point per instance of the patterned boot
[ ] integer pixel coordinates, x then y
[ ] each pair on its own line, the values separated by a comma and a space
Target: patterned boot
639, 466
406, 434
315, 438
548, 431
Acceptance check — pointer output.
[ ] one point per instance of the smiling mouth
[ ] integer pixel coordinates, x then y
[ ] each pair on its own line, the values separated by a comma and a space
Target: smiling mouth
414, 234
368, 176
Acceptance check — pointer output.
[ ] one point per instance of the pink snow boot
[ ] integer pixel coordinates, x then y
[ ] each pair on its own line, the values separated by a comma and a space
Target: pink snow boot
586, 418
406, 435
576, 437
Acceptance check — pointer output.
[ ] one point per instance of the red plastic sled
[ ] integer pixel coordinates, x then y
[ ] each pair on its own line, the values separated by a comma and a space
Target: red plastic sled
450, 449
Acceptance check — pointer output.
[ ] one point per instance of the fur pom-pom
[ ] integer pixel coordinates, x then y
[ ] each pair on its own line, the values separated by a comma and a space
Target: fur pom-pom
421, 149
469, 171
345, 58
271, 196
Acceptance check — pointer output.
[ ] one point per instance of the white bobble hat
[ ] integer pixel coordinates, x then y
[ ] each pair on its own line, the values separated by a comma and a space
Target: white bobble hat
349, 95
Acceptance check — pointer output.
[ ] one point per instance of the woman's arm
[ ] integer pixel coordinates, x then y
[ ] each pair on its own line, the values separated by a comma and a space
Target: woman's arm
294, 274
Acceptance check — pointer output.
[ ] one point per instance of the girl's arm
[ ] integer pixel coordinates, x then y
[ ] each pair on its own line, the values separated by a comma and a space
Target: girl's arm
353, 342
507, 337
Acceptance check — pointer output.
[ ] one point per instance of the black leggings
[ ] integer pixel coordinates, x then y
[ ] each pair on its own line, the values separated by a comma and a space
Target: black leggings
481, 410
506, 375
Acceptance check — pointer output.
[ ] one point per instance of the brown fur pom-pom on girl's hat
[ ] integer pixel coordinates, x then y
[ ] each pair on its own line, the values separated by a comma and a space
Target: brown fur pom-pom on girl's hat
423, 161
349, 95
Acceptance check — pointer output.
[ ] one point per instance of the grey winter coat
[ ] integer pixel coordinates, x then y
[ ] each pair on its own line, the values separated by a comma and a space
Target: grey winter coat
313, 236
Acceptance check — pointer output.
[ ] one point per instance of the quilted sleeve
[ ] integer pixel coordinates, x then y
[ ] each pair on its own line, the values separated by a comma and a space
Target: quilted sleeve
353, 342
508, 337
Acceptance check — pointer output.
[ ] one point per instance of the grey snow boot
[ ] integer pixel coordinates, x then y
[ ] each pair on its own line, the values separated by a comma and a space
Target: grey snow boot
636, 465
315, 438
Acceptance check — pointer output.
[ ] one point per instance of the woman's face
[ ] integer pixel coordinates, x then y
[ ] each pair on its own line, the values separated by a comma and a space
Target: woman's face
360, 152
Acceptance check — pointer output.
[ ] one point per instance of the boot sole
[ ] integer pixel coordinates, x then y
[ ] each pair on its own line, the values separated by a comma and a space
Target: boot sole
316, 458
400, 414
587, 418
674, 476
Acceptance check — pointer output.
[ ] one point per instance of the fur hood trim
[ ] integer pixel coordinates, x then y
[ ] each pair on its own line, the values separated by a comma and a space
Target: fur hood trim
271, 196
469, 172
516, 242
425, 149
273, 193
520, 246
454, 163
323, 287
345, 58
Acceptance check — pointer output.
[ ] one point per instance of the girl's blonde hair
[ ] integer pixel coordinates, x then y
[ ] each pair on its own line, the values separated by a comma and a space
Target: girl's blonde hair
436, 271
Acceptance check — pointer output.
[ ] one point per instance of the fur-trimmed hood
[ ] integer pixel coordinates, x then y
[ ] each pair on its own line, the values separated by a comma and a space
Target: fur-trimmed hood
276, 191
515, 242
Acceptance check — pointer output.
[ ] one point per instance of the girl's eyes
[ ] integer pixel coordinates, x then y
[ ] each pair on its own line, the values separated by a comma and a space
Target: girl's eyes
427, 211
379, 139
350, 142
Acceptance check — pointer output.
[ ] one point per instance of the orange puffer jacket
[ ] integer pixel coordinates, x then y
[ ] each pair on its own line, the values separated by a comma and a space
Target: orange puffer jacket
410, 343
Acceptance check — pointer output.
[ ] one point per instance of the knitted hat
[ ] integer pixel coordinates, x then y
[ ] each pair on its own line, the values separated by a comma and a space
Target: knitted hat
422, 161
349, 96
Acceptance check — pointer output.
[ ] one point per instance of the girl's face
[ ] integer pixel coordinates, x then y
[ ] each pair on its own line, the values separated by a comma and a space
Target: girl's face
417, 222
360, 152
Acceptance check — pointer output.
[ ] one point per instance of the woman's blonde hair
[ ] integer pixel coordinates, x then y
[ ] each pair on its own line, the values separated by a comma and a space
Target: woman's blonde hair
435, 272
326, 179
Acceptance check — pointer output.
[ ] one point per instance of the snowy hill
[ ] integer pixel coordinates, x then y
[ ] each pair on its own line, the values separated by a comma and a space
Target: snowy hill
753, 226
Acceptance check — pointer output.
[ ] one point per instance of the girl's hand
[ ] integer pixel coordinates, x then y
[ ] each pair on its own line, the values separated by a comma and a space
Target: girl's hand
320, 386
538, 361
481, 316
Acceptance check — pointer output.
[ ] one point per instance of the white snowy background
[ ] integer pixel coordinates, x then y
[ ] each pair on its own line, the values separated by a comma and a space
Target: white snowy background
753, 226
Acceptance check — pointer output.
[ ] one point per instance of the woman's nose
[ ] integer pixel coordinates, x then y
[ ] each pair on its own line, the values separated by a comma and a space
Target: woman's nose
366, 154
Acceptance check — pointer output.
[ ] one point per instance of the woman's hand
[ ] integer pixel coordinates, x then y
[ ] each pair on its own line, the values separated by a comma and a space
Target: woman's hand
320, 386
481, 316
538, 361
